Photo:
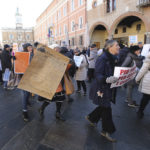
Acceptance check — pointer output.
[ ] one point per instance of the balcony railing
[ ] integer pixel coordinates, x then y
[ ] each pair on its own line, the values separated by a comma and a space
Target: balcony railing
143, 3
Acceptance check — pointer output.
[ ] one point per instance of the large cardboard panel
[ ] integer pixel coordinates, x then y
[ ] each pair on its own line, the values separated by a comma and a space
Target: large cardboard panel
44, 73
21, 62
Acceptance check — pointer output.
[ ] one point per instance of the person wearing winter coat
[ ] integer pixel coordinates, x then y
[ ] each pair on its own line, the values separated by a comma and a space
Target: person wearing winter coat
6, 61
143, 77
25, 98
81, 73
92, 60
132, 58
100, 91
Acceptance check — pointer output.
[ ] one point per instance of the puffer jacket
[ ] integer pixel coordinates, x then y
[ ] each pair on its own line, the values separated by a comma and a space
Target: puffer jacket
144, 76
92, 59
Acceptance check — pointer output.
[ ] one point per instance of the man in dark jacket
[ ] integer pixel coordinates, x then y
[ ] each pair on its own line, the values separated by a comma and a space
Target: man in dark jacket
6, 61
132, 57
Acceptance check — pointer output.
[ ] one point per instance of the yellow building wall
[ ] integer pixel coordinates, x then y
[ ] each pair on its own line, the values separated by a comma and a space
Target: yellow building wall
99, 36
132, 31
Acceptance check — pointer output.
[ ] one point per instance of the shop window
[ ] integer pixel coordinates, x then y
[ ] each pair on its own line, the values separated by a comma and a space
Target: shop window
111, 5
124, 30
81, 40
138, 27
116, 31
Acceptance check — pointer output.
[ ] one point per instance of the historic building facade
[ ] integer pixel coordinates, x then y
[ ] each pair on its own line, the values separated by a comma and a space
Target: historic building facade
62, 21
127, 21
18, 34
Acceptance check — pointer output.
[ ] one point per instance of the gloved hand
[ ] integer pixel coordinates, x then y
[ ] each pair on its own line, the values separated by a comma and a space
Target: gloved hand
111, 79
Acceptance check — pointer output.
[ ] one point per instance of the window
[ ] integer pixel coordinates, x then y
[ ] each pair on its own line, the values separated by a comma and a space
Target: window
116, 31
81, 40
80, 22
27, 37
19, 37
65, 11
72, 26
72, 5
11, 36
111, 5
65, 29
124, 30
59, 14
80, 2
73, 42
138, 27
59, 30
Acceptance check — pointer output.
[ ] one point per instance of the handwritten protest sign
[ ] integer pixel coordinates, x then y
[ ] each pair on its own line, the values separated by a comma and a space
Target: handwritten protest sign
15, 47
45, 72
78, 60
145, 50
124, 75
21, 62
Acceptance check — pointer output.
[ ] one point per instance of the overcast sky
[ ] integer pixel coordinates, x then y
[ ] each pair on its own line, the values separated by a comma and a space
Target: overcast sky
30, 10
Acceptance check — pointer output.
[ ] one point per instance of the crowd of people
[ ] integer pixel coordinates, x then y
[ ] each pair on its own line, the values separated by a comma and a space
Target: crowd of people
97, 68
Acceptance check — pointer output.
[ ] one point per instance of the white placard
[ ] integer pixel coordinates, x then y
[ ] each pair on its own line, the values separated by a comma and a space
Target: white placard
133, 39
78, 60
145, 50
6, 75
124, 75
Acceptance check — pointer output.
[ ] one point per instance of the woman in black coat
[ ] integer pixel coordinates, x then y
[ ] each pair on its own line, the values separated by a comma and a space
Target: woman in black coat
100, 91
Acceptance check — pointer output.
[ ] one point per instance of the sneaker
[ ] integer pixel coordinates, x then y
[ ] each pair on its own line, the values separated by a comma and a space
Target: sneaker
78, 91
10, 88
84, 94
60, 117
91, 123
25, 116
133, 104
140, 114
108, 136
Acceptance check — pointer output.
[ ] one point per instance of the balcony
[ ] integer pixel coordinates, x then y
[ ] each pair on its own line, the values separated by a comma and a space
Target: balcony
143, 3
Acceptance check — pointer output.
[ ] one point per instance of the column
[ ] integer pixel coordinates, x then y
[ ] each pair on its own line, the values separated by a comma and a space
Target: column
148, 38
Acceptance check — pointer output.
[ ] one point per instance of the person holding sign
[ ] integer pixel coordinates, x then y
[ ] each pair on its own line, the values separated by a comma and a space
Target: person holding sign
132, 57
81, 73
100, 91
144, 78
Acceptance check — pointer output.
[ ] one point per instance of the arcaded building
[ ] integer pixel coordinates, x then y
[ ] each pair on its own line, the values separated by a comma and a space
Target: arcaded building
127, 21
62, 21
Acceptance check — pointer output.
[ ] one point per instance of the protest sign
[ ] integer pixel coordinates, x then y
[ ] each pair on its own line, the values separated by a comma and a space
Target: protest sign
21, 62
133, 39
145, 50
45, 72
124, 75
78, 60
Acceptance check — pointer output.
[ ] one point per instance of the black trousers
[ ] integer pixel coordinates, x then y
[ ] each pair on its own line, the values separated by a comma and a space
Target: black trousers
58, 106
144, 102
1, 78
91, 73
106, 115
81, 83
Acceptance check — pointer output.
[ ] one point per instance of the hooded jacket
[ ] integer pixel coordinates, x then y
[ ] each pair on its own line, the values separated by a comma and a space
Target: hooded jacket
144, 76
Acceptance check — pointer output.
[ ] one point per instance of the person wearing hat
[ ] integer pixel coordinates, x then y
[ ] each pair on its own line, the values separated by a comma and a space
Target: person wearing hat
132, 57
6, 61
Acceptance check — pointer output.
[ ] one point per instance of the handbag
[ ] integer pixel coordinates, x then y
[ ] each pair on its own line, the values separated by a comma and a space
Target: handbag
69, 88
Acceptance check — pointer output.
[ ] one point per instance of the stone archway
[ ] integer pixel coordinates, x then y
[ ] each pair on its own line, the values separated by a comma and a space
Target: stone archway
136, 14
98, 34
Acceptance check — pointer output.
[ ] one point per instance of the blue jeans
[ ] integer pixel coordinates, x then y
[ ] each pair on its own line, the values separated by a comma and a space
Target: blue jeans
25, 100
5, 84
